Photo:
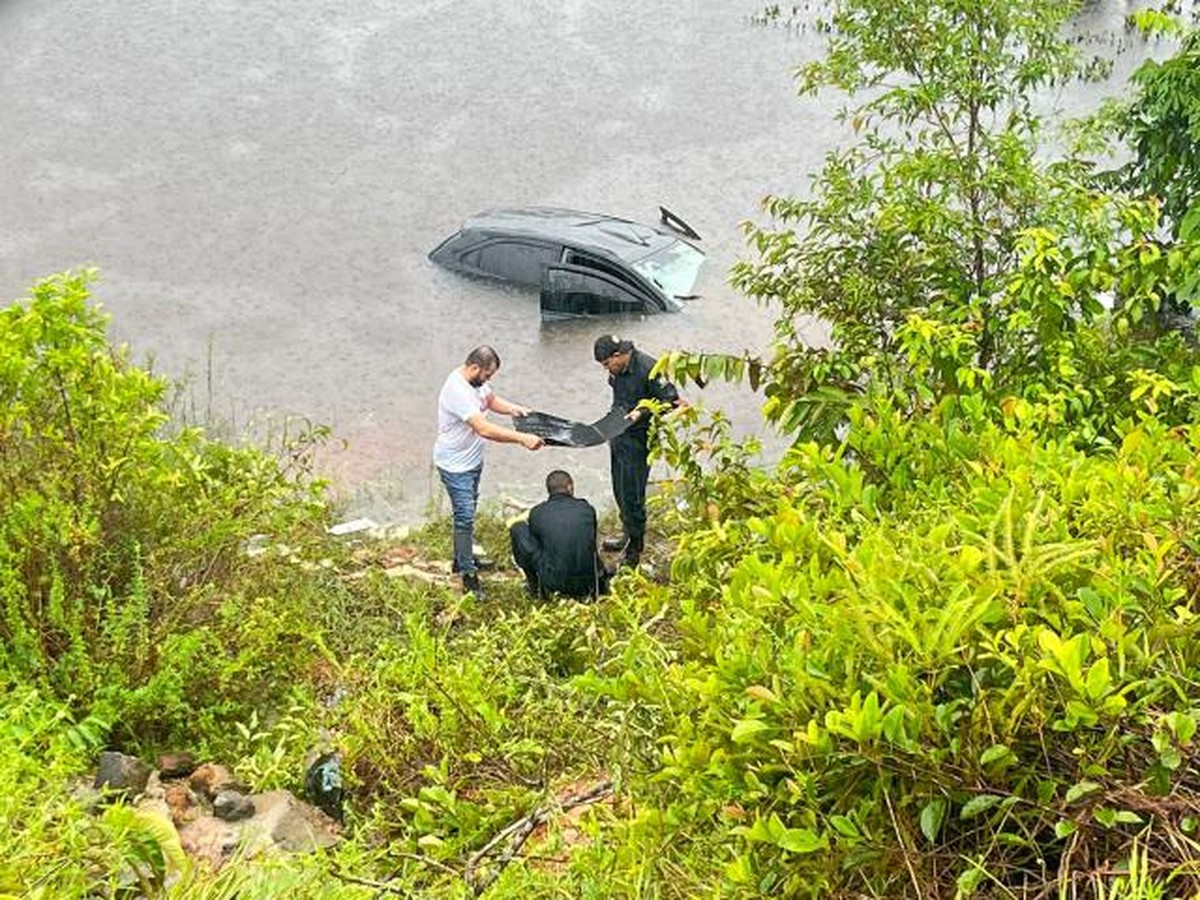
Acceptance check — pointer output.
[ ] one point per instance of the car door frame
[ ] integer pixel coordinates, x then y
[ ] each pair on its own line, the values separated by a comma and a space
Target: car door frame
642, 301
551, 248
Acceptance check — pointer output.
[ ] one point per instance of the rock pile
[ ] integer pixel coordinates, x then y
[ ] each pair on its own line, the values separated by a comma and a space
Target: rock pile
213, 815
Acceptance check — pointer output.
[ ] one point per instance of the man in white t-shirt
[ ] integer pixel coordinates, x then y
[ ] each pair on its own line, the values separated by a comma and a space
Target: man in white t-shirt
463, 426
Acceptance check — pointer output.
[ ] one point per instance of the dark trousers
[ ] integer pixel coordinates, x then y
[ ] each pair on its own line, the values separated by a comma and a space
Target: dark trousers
630, 473
527, 554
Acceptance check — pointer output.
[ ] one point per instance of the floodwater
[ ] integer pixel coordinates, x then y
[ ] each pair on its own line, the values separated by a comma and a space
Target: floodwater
259, 185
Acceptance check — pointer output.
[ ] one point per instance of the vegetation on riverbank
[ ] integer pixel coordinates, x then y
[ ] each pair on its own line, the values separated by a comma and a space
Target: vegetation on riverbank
946, 648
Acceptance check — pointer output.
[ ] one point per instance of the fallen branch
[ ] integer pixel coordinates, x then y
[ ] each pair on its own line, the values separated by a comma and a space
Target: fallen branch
518, 832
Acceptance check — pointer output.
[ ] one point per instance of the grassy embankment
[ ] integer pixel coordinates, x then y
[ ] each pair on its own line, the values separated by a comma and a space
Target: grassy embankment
954, 655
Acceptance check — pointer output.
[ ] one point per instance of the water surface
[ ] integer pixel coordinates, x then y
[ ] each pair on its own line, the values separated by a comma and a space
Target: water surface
259, 185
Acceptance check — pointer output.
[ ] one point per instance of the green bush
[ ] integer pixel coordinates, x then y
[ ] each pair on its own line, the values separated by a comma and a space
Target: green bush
112, 526
945, 659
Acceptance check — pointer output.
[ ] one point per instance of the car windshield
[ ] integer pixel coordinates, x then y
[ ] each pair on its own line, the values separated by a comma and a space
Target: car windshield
674, 268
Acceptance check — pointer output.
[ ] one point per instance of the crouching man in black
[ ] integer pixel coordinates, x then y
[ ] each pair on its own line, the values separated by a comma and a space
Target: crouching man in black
556, 546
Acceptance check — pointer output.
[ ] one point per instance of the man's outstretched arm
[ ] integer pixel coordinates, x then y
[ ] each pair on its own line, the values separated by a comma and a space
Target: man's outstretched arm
489, 430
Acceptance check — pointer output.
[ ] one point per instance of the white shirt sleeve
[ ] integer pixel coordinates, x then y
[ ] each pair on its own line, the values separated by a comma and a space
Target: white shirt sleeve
464, 401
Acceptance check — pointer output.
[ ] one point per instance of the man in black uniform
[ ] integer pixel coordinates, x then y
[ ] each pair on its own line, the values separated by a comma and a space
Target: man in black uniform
556, 547
629, 376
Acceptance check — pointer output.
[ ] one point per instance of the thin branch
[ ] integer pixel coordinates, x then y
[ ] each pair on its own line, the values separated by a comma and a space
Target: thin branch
912, 873
518, 832
426, 861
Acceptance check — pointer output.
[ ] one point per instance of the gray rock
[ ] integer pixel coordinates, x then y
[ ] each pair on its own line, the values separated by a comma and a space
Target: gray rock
121, 774
154, 787
209, 839
280, 823
293, 825
83, 793
232, 806
153, 797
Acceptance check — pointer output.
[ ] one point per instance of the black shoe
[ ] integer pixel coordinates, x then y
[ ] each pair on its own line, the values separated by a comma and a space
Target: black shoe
471, 584
629, 560
613, 544
482, 564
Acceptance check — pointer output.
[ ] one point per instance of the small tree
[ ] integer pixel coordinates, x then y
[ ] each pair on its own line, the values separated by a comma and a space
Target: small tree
926, 209
945, 225
1162, 127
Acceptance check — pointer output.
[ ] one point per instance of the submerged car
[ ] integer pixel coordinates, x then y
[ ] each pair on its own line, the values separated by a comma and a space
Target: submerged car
583, 263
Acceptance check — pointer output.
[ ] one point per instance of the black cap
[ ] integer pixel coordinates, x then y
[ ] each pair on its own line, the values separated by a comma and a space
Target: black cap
608, 344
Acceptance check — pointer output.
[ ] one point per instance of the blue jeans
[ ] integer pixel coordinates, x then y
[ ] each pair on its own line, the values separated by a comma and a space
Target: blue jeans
463, 488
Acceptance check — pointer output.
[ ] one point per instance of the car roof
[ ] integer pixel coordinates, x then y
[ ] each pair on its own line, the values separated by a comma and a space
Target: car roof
626, 240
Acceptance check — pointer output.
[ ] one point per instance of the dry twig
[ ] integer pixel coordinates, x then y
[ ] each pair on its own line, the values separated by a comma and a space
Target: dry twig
518, 832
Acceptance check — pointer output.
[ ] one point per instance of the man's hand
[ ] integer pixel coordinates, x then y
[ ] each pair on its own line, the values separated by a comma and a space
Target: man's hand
633, 415
515, 410
531, 441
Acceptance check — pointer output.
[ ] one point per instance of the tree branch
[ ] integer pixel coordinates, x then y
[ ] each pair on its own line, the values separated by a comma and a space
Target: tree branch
518, 832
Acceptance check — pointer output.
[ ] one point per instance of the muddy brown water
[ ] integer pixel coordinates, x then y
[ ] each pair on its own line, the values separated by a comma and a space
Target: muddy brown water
259, 185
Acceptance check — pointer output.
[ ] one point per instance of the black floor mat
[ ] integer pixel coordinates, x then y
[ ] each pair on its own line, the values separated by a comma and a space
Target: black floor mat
560, 432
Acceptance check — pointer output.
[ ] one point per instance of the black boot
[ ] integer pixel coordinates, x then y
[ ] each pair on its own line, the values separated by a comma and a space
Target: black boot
472, 584
633, 553
482, 564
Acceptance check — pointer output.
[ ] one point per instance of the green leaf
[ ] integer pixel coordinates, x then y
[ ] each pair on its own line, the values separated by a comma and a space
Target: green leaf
1065, 828
1013, 840
1081, 789
977, 805
933, 814
1182, 726
844, 826
745, 730
801, 840
968, 881
994, 753
1170, 758
1099, 682
893, 725
1189, 227
740, 870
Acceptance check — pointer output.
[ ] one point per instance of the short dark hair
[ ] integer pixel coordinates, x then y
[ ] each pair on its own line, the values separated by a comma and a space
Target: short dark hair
484, 357
559, 482
607, 345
